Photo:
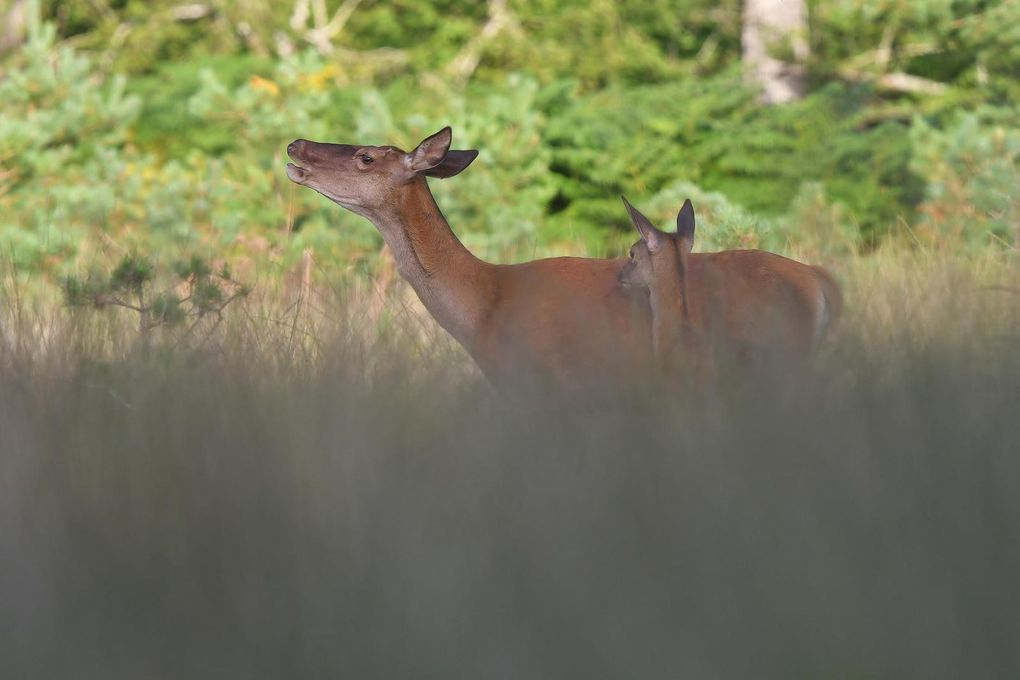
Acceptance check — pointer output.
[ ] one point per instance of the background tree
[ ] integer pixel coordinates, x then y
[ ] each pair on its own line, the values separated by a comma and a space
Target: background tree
772, 28
13, 18
159, 126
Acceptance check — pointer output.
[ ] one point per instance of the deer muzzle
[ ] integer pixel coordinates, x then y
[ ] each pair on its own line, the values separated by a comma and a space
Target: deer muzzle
295, 172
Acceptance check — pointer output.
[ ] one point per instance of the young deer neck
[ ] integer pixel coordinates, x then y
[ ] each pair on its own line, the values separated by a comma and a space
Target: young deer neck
669, 312
452, 283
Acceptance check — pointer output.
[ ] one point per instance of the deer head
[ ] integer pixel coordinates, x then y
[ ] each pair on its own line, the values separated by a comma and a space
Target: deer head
659, 259
365, 179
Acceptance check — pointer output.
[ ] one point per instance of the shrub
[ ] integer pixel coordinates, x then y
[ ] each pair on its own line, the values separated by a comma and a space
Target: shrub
972, 167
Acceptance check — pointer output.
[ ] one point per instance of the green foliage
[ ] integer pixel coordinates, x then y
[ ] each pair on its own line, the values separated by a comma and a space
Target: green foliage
166, 96
972, 168
167, 308
63, 129
720, 223
83, 292
194, 291
431, 31
137, 36
195, 267
973, 45
160, 126
818, 226
57, 110
712, 132
131, 274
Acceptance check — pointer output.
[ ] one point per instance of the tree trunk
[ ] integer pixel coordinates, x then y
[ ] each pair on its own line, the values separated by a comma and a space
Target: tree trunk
771, 24
12, 33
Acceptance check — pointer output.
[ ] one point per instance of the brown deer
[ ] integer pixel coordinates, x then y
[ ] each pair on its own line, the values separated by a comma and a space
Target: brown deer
658, 264
751, 304
563, 321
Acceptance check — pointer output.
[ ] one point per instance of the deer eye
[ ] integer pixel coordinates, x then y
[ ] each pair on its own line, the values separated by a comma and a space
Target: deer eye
365, 158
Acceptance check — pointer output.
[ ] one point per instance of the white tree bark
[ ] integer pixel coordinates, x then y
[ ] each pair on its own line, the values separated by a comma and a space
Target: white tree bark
325, 29
13, 15
766, 24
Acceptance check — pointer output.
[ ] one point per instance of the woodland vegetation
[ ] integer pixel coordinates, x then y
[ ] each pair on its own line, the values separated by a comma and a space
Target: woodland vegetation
233, 445
159, 127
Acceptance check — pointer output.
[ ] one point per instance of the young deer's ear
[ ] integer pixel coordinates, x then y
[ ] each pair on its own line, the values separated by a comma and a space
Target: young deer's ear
454, 162
430, 152
685, 226
649, 234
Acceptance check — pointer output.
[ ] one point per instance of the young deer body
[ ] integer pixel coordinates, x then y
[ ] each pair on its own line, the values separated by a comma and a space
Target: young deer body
563, 320
659, 264
748, 304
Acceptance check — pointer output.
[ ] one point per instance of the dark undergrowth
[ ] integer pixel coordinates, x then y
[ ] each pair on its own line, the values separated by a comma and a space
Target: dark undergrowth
269, 505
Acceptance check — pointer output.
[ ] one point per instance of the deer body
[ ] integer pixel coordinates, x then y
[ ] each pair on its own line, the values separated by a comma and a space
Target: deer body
749, 304
759, 304
565, 321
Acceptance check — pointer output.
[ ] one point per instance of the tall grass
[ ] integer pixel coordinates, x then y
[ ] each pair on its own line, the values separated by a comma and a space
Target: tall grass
302, 494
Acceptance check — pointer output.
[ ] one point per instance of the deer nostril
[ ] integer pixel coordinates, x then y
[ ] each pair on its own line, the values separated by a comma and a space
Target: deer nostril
293, 147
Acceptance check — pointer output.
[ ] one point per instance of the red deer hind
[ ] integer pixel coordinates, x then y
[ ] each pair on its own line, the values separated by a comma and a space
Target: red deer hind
565, 322
749, 304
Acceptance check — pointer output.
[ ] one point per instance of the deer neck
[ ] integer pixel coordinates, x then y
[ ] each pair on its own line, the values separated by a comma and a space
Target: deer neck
453, 284
669, 316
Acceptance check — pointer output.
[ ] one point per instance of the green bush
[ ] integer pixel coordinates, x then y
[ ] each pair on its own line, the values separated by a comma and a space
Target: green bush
972, 168
63, 131
129, 126
193, 292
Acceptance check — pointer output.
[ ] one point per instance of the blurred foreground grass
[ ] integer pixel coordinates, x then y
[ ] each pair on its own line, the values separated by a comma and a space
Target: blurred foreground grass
320, 486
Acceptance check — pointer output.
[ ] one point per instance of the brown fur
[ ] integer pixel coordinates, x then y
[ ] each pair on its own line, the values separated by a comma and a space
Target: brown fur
565, 322
745, 303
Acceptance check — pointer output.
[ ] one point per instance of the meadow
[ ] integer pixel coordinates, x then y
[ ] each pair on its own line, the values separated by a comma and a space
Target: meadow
310, 492
288, 470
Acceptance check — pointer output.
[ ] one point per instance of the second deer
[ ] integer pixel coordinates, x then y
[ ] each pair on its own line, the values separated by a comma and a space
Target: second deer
747, 305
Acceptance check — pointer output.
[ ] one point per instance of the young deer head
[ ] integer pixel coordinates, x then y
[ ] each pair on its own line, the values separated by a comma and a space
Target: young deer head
364, 179
658, 262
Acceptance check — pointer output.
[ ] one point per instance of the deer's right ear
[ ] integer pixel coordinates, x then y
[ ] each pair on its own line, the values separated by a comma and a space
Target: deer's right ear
685, 225
454, 162
431, 152
649, 234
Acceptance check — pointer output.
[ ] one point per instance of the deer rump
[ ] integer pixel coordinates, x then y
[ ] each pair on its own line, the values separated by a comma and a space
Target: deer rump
567, 322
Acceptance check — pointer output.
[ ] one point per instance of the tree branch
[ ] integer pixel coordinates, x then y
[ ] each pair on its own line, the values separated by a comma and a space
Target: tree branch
500, 19
324, 28
896, 82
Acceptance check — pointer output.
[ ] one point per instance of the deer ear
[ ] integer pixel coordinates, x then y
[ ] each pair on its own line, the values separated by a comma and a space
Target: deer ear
685, 226
431, 151
649, 234
453, 164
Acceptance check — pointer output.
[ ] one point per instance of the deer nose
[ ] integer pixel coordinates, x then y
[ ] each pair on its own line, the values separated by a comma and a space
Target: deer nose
294, 147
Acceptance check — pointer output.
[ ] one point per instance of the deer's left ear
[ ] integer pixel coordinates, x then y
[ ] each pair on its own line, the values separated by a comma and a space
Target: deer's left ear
685, 226
649, 234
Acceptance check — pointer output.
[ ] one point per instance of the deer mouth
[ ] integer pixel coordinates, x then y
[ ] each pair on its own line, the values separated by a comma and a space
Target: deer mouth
296, 173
